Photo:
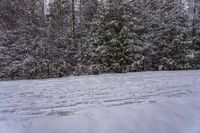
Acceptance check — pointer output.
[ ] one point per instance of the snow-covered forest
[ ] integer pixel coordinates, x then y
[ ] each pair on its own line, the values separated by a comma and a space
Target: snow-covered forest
78, 37
47, 39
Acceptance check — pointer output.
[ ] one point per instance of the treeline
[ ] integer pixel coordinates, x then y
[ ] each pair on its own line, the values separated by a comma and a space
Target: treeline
78, 37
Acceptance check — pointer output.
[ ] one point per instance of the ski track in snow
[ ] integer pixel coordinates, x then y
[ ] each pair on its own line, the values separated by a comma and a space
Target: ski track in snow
27, 99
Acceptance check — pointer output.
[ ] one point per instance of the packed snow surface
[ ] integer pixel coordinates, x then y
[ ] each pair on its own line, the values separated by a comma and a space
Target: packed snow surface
146, 102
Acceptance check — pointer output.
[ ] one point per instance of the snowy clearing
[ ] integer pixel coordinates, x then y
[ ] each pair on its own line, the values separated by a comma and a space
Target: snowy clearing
146, 102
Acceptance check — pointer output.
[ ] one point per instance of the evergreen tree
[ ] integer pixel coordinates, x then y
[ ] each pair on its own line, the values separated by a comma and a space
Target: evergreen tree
60, 38
115, 38
20, 38
195, 33
166, 46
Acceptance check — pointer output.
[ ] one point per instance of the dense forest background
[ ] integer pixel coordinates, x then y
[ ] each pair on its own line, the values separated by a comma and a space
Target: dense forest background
77, 37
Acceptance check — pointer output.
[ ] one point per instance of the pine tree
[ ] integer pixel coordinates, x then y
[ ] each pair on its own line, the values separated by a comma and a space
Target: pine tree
87, 11
196, 33
21, 38
60, 38
115, 39
166, 36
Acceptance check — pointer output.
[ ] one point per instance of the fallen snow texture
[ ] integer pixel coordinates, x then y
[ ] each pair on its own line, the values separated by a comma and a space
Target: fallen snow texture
147, 102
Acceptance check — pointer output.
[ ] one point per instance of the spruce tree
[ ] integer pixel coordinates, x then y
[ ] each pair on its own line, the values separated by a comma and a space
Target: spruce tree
21, 38
60, 38
115, 40
167, 35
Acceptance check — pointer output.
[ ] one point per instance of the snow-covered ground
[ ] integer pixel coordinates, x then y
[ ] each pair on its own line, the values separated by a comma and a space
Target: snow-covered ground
146, 102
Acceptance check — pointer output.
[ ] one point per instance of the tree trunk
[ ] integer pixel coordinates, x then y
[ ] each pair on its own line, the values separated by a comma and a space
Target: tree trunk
73, 21
81, 25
